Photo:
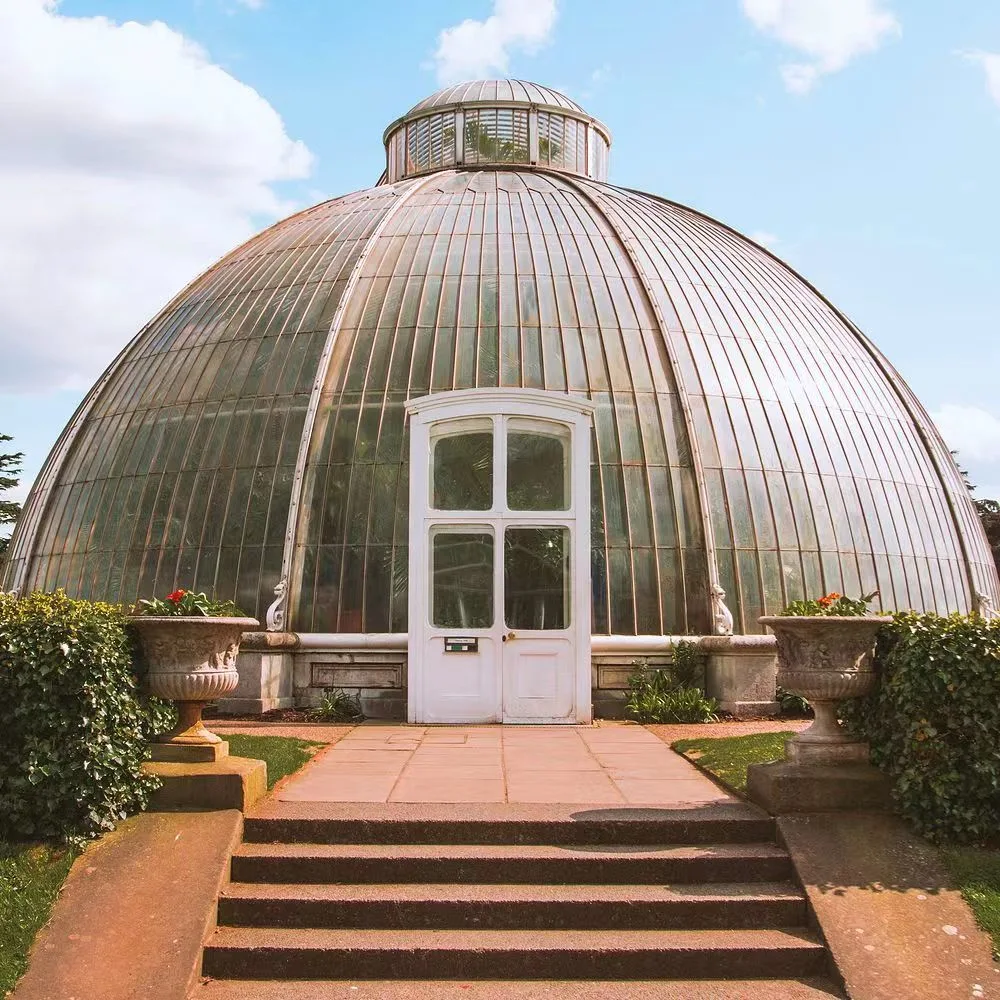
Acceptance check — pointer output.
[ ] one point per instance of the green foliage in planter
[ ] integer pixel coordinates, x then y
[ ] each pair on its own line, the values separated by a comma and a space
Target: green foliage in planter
933, 722
670, 695
791, 704
75, 726
338, 706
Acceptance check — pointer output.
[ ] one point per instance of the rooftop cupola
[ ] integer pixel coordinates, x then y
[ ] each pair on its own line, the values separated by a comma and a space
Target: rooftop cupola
496, 122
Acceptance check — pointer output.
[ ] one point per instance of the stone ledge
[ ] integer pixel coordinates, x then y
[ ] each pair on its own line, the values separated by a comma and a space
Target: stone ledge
892, 918
783, 788
230, 783
137, 906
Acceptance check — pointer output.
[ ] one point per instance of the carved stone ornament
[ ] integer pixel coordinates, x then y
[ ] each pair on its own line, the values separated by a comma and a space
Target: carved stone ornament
825, 658
274, 619
721, 615
985, 608
191, 661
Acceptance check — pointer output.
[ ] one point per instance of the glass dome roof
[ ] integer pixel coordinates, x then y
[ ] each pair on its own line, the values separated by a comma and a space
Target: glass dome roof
494, 92
746, 433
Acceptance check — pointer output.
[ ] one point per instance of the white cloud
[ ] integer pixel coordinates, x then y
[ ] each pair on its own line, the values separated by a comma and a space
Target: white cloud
990, 61
829, 32
474, 49
129, 162
972, 431
765, 239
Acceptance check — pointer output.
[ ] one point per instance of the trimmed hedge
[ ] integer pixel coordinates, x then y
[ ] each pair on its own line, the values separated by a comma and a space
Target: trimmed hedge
74, 725
934, 722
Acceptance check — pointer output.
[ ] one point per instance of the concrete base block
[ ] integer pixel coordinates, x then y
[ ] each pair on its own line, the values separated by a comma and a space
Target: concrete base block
609, 704
389, 704
265, 679
252, 706
800, 751
783, 788
750, 709
188, 753
230, 783
741, 673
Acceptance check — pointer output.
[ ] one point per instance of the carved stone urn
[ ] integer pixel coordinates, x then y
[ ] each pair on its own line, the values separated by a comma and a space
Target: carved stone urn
192, 661
825, 658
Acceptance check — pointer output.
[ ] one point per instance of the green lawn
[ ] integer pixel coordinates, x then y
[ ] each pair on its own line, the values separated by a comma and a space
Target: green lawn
976, 870
282, 754
30, 878
728, 757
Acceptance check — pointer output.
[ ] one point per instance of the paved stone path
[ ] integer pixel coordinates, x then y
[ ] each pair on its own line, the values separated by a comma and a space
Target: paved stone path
597, 765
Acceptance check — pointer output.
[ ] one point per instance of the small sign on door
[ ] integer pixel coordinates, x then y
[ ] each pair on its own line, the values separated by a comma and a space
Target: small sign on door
461, 644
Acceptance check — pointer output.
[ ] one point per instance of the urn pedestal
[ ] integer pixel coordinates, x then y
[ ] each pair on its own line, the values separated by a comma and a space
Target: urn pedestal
823, 658
191, 661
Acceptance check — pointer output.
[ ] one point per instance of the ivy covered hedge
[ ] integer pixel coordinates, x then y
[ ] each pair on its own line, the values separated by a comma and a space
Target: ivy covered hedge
73, 725
934, 722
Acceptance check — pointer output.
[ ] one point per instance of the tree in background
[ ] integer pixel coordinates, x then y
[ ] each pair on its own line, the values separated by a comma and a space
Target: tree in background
10, 470
989, 514
988, 511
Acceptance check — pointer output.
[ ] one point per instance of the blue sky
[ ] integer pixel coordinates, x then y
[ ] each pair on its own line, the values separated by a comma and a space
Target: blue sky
859, 138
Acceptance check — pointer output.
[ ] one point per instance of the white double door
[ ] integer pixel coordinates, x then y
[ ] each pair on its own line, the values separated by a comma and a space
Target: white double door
499, 558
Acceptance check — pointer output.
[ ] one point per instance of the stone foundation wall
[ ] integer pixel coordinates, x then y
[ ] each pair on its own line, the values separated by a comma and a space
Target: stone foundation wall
275, 672
376, 678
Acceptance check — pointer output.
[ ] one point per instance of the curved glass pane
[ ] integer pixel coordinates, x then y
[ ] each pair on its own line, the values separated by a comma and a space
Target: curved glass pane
537, 471
536, 578
463, 471
461, 579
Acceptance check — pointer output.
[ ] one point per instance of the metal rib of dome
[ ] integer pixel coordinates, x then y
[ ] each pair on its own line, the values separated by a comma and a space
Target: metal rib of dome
744, 430
493, 92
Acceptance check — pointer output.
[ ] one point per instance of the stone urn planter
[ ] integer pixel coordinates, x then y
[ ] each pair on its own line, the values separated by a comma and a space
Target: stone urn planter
826, 658
192, 661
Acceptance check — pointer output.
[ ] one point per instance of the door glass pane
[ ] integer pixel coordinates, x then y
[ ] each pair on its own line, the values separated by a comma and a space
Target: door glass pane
463, 471
537, 471
462, 579
536, 578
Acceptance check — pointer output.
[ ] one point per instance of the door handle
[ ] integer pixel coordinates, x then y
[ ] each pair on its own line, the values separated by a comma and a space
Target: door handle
508, 635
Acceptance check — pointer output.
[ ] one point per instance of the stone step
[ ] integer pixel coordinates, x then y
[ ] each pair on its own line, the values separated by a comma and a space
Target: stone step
284, 953
496, 823
499, 864
690, 989
542, 907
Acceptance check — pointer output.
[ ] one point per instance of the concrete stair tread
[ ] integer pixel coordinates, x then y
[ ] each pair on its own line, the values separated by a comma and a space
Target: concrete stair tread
750, 851
517, 893
494, 823
511, 941
696, 989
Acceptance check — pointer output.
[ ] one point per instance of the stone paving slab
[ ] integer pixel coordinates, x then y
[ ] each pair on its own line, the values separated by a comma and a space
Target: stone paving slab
600, 765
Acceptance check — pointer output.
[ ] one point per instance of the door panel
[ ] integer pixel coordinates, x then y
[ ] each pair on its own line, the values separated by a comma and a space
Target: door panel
461, 683
461, 686
538, 662
538, 677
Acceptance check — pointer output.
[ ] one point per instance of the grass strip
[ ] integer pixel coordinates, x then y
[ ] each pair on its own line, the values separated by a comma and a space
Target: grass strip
729, 756
283, 755
976, 871
31, 876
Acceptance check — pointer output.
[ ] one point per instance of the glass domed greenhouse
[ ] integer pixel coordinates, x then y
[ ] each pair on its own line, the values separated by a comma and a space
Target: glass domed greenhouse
474, 438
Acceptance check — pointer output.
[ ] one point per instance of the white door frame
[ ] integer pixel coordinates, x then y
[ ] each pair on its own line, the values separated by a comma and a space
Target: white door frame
572, 412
